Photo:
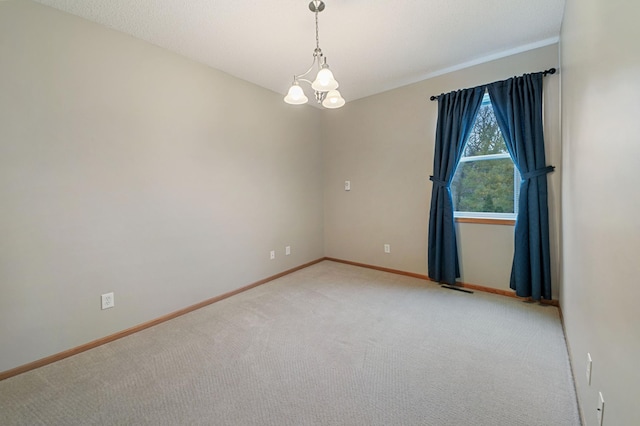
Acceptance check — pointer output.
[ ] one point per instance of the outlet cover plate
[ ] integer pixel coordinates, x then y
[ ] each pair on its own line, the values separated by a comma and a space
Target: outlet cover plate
107, 300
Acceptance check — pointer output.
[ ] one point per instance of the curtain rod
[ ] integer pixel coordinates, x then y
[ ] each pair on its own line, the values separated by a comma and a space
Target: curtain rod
544, 74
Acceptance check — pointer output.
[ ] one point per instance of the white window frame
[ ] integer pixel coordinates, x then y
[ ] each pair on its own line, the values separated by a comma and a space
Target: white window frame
516, 184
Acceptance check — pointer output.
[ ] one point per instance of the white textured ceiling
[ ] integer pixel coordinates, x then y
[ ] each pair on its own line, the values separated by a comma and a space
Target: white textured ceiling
370, 45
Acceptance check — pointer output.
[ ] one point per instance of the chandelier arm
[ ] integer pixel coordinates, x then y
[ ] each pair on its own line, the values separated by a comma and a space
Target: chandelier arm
298, 77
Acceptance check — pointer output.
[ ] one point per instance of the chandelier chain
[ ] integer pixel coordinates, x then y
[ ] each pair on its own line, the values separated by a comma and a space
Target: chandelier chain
317, 38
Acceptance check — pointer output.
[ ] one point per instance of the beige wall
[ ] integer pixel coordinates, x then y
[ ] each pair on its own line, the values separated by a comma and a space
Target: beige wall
601, 203
127, 168
384, 145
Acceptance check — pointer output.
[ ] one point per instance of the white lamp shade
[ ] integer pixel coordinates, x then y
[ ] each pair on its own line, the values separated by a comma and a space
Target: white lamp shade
333, 100
324, 81
295, 96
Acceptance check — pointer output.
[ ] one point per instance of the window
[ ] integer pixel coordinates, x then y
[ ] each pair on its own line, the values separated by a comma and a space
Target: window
486, 182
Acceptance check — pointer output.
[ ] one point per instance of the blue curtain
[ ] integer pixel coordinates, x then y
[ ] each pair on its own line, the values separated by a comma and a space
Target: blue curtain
517, 103
456, 115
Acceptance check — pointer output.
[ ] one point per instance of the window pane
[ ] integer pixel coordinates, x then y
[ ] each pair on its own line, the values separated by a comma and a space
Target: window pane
486, 181
484, 186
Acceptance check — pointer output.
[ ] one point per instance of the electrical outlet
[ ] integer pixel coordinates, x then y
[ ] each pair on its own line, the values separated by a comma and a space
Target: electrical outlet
387, 248
107, 300
600, 408
272, 254
287, 250
347, 185
589, 363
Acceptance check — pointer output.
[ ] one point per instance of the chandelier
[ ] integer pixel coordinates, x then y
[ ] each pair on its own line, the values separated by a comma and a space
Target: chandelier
325, 85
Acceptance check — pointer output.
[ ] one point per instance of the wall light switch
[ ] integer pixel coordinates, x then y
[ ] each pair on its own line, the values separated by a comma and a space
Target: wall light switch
347, 185
589, 363
287, 250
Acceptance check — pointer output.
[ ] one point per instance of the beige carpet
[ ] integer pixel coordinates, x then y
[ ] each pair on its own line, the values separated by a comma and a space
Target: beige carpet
331, 344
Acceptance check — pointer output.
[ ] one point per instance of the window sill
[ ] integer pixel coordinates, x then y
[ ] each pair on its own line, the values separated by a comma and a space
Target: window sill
485, 221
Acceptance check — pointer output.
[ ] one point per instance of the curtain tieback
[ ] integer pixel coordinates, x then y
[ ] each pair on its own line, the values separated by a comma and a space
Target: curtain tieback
438, 182
538, 172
